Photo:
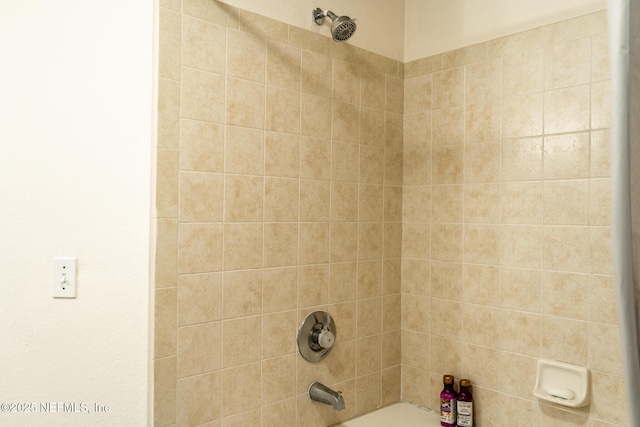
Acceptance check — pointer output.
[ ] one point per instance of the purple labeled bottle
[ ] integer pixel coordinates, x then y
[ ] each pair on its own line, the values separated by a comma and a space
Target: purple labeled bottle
448, 403
465, 404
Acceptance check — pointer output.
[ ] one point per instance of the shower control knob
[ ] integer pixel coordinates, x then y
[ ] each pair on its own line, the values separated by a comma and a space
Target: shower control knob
326, 339
316, 336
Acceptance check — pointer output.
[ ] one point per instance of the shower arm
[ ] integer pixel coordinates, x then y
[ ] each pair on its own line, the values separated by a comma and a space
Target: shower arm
319, 15
331, 15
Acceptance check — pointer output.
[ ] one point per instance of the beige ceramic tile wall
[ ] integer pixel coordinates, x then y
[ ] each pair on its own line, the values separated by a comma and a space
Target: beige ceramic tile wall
280, 190
506, 223
278, 193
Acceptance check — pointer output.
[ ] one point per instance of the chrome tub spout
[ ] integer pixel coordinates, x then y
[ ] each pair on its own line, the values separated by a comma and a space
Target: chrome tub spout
323, 394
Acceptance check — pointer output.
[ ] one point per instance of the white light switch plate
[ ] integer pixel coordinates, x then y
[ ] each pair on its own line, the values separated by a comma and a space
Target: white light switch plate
63, 278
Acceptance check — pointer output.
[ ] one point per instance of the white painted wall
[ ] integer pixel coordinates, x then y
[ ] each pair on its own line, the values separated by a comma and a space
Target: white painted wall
436, 26
75, 162
413, 29
380, 22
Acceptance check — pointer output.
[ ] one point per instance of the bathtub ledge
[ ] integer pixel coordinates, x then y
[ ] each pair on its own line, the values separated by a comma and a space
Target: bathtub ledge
399, 414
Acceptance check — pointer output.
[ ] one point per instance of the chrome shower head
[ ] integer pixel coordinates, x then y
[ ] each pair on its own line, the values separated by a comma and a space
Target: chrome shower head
342, 27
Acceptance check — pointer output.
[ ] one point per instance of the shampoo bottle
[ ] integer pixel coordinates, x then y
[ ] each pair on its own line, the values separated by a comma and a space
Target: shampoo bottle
465, 404
448, 414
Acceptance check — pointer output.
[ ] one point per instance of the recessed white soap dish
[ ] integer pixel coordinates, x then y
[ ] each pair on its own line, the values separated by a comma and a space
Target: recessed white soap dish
562, 383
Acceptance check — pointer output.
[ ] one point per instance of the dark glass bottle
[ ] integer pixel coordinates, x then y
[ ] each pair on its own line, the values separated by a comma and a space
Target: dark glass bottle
448, 403
465, 404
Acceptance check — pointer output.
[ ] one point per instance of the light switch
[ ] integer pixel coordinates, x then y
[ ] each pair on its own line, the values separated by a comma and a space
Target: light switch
63, 278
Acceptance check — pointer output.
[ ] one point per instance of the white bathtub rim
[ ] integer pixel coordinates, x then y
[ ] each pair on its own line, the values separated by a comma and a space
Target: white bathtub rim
411, 415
